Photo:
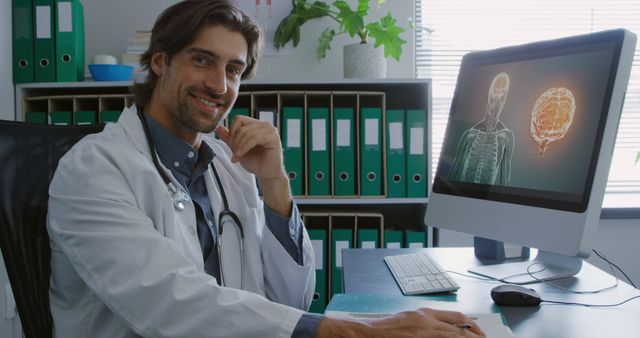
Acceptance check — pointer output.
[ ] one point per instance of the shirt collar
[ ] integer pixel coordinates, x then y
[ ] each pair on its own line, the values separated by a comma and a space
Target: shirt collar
175, 153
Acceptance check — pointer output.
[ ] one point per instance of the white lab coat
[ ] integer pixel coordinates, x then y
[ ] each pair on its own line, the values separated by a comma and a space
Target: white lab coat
126, 263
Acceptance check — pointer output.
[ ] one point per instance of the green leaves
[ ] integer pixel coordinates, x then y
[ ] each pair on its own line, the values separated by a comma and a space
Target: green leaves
386, 33
351, 21
325, 43
363, 7
289, 27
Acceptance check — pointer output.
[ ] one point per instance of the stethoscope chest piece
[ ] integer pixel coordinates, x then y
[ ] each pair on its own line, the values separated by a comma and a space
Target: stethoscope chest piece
179, 205
178, 195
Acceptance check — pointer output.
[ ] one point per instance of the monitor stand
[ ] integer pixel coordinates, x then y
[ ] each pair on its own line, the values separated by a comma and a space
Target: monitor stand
489, 249
546, 266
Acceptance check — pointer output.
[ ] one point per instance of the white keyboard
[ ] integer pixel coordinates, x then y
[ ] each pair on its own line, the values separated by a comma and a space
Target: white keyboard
417, 273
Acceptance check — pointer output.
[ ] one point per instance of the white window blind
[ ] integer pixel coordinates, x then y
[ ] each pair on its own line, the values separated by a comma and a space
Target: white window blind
461, 26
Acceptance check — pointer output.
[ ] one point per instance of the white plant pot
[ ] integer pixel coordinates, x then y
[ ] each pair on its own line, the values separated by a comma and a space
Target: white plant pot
363, 61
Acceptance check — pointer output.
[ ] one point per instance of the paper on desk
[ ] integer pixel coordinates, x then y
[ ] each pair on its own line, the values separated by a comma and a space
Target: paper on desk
491, 324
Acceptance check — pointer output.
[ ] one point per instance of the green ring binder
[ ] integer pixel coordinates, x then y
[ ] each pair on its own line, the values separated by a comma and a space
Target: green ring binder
292, 175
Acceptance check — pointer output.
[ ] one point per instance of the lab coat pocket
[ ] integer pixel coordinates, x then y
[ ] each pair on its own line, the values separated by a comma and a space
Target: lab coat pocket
286, 281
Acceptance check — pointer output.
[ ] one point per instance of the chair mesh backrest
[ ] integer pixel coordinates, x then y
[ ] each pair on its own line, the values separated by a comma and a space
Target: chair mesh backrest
29, 155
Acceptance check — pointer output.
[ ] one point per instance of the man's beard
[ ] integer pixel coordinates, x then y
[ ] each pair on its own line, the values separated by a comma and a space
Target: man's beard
187, 119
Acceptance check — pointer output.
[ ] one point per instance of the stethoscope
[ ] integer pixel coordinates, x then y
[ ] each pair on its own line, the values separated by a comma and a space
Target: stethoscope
180, 197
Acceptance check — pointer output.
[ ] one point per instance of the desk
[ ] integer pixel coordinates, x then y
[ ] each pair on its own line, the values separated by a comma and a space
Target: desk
366, 273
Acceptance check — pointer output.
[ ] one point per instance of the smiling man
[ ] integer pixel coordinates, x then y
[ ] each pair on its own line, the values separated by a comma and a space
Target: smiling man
136, 212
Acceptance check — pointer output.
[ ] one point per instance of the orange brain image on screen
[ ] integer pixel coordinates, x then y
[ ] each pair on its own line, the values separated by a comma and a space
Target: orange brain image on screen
552, 116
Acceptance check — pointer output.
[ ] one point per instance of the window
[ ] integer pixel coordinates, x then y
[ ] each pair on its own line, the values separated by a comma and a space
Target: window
461, 26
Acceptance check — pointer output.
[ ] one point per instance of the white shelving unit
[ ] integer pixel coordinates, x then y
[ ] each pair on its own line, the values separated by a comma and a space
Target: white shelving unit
396, 94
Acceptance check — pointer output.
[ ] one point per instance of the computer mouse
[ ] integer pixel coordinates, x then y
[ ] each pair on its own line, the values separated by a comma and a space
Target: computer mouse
515, 295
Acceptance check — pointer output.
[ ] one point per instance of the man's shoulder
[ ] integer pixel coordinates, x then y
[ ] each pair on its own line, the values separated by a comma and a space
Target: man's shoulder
109, 144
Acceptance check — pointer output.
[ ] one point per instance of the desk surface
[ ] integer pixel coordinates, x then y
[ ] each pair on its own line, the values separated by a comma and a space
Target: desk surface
366, 273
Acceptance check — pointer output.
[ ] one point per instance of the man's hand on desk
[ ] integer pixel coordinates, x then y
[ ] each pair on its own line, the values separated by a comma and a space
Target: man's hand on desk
420, 323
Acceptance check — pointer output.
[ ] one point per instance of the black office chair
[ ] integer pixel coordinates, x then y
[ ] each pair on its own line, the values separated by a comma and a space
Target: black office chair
29, 155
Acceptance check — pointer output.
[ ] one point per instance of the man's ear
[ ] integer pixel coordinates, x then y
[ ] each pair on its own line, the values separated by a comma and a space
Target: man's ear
158, 63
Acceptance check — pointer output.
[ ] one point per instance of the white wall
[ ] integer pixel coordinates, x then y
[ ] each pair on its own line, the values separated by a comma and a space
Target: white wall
109, 24
6, 55
617, 239
8, 327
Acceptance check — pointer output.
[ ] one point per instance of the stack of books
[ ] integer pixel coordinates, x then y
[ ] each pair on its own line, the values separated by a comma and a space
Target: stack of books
137, 45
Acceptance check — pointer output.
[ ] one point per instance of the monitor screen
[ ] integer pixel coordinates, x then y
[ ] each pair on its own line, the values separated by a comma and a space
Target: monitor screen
526, 127
529, 143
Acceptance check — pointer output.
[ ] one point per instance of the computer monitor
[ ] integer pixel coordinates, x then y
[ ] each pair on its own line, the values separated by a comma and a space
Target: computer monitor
528, 148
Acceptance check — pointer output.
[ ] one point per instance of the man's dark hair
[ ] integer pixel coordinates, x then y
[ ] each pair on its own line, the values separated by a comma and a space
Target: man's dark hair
178, 26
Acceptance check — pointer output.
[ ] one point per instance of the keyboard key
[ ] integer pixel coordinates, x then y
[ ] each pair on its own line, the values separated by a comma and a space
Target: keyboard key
417, 279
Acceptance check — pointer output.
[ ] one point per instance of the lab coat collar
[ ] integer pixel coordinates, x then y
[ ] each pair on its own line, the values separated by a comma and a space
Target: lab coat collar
228, 171
133, 127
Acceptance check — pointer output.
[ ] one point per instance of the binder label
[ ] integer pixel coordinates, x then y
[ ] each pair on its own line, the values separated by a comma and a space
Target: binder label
343, 137
319, 134
266, 116
293, 133
339, 246
43, 22
64, 17
395, 135
393, 245
318, 247
416, 245
371, 132
417, 141
368, 245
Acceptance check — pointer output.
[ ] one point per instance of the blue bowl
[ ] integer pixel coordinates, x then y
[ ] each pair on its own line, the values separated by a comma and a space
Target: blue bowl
111, 72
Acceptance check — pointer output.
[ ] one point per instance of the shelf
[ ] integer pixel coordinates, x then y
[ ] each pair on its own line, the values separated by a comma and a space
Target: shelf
351, 82
254, 96
359, 201
82, 84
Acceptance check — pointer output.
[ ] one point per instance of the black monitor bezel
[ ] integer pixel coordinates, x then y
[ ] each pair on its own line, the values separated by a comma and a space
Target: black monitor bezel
530, 197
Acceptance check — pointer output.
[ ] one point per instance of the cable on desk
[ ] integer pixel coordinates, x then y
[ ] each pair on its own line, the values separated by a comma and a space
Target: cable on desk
492, 279
617, 267
553, 302
499, 280
604, 258
483, 278
543, 268
611, 265
615, 285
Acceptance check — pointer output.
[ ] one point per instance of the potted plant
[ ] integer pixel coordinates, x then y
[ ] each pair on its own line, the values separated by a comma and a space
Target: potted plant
361, 59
